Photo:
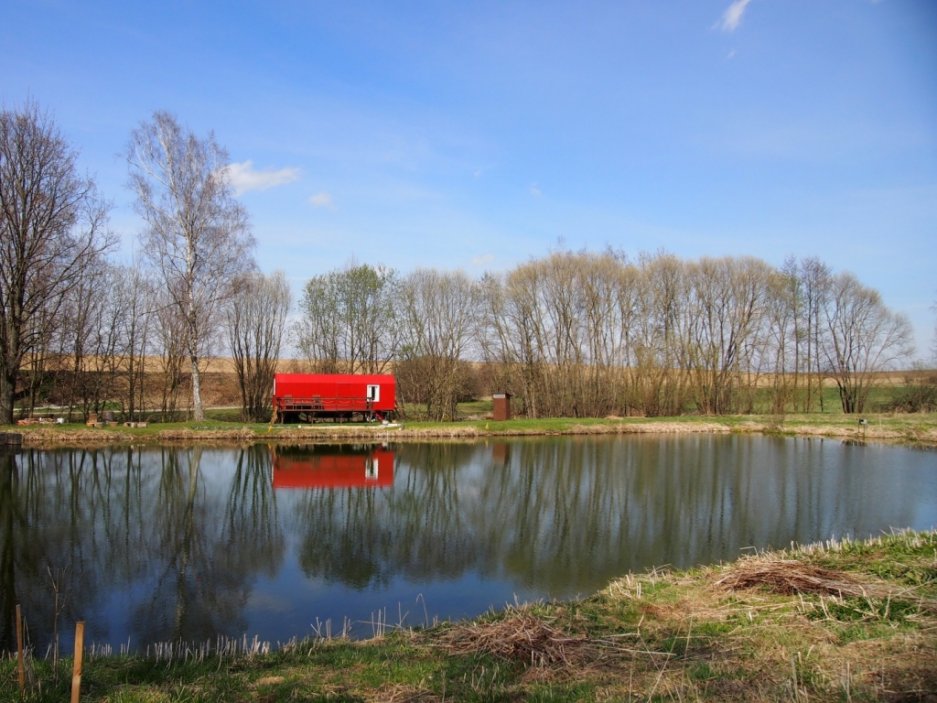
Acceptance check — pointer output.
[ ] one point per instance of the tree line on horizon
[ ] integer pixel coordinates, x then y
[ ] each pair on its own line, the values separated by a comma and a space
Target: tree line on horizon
584, 334
568, 334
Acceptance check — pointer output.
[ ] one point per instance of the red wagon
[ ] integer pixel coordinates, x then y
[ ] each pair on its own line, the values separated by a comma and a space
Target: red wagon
307, 397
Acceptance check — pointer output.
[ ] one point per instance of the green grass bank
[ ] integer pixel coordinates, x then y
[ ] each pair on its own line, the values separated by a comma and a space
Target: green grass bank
838, 621
917, 428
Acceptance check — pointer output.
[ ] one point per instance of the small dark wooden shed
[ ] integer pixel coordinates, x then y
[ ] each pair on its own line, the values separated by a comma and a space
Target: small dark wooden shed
501, 406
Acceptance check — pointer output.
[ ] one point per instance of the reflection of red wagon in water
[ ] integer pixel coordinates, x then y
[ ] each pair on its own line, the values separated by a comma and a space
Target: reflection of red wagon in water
332, 467
309, 397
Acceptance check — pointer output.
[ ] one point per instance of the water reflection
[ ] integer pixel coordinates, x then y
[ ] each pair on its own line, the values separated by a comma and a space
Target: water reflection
326, 466
207, 544
144, 545
184, 543
10, 518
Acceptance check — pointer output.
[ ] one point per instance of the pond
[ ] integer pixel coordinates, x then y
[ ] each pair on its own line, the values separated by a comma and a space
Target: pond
160, 544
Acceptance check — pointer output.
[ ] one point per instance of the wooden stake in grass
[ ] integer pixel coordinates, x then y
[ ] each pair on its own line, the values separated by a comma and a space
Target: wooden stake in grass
20, 657
79, 655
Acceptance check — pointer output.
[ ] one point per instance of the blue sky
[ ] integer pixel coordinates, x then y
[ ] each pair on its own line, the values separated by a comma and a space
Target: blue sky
478, 135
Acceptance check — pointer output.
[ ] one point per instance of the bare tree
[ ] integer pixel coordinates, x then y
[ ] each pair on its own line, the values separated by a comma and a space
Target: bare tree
661, 344
440, 314
512, 334
78, 314
137, 290
101, 345
169, 336
728, 302
563, 324
816, 280
349, 320
255, 319
861, 337
197, 234
782, 332
51, 224
43, 355
508, 336
91, 328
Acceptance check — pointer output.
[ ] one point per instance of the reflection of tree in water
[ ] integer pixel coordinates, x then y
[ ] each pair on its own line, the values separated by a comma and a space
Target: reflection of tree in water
364, 537
646, 501
566, 515
81, 525
208, 550
52, 541
11, 523
584, 511
459, 508
343, 537
251, 518
454, 509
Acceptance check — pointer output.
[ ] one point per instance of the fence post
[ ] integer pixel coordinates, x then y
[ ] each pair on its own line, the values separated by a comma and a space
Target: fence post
20, 655
79, 656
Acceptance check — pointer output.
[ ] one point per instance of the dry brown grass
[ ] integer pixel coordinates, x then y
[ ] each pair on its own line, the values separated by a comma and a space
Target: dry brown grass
522, 637
786, 626
624, 426
791, 577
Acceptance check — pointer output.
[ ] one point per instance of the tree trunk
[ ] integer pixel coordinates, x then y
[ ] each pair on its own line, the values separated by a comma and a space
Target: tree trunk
7, 394
198, 412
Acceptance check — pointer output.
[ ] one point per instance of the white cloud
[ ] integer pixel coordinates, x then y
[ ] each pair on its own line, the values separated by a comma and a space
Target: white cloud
732, 17
244, 178
482, 260
535, 190
321, 200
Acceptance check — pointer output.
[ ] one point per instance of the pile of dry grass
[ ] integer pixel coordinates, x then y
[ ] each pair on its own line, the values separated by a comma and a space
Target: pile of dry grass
790, 577
521, 637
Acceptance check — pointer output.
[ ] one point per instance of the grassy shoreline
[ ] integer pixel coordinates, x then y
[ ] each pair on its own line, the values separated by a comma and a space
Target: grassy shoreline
910, 428
837, 621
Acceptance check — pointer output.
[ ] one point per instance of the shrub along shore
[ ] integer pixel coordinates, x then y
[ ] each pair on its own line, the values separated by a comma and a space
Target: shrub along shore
838, 621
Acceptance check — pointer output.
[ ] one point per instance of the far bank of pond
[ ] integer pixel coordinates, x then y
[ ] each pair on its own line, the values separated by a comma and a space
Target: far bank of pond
919, 428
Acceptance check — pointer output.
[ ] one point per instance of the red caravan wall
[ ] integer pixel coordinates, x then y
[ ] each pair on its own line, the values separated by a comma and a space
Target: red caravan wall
334, 393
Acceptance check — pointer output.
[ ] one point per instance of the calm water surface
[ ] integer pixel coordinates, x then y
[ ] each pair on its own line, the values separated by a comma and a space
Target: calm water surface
158, 544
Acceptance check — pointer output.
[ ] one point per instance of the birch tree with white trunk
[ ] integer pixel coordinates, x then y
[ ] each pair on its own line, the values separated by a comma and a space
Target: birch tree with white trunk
197, 235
